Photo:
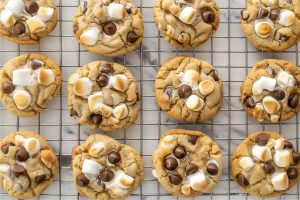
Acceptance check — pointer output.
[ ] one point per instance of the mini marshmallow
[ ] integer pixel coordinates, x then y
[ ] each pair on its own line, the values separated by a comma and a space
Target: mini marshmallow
274, 118
271, 143
4, 169
279, 144
113, 186
48, 157
206, 87
121, 111
261, 153
286, 17
95, 101
188, 15
35, 24
168, 140
113, 121
22, 99
32, 145
105, 110
119, 82
258, 111
195, 103
115, 11
264, 83
271, 105
91, 168
96, 149
154, 173
45, 13
90, 36
280, 181
23, 77
123, 180
45, 77
282, 158
186, 189
263, 27
7, 18
170, 31
15, 6
198, 181
82, 87
246, 163
19, 139
190, 77
73, 78
285, 79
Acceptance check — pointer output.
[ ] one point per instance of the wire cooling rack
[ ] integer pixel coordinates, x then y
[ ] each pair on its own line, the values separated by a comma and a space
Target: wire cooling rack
228, 51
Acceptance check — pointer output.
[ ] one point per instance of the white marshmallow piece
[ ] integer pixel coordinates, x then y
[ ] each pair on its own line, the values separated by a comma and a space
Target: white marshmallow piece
191, 78
286, 17
90, 36
19, 139
262, 153
271, 105
264, 83
246, 163
280, 181
282, 158
188, 15
45, 13
95, 101
23, 77
263, 27
123, 180
167, 141
195, 103
4, 169
285, 79
32, 145
83, 87
279, 144
22, 99
91, 168
35, 24
154, 173
121, 111
206, 87
7, 18
45, 77
15, 6
73, 78
115, 11
186, 189
96, 148
197, 181
119, 82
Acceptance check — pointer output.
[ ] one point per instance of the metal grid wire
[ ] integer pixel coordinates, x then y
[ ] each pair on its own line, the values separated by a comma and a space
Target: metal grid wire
228, 51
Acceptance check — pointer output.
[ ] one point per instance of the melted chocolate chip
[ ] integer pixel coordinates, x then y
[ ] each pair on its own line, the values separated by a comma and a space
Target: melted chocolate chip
292, 172
19, 28
214, 75
18, 170
22, 155
169, 91
287, 145
106, 68
96, 118
262, 139
269, 168
191, 169
106, 175
179, 152
175, 179
278, 94
82, 180
114, 157
35, 65
5, 148
208, 16
132, 37
283, 37
274, 14
262, 13
250, 103
8, 87
212, 169
296, 157
102, 80
170, 163
184, 91
293, 100
128, 10
73, 113
75, 28
192, 139
109, 28
39, 179
241, 180
31, 7
84, 7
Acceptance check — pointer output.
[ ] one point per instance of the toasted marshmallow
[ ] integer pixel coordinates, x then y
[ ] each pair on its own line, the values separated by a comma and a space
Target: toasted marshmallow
188, 15
73, 78
206, 87
258, 111
23, 77
154, 173
99, 11
32, 145
261, 153
123, 180
264, 83
197, 181
15, 6
48, 157
113, 121
35, 24
45, 13
285, 79
271, 105
4, 169
46, 77
190, 77
274, 118
282, 158
19, 139
96, 149
95, 101
22, 99
7, 18
271, 143
115, 11
91, 168
286, 17
279, 144
186, 189
83, 87
119, 82
280, 181
105, 110
168, 140
121, 111
170, 31
90, 36
246, 163
263, 27
195, 103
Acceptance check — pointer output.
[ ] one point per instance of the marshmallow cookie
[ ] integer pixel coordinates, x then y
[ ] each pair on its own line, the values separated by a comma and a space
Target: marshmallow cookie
187, 163
271, 25
186, 23
108, 27
104, 169
188, 89
271, 91
27, 21
103, 95
28, 164
265, 164
27, 83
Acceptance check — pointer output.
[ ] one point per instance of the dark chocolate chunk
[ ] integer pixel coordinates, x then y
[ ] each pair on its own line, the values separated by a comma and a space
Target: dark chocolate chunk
170, 163
8, 87
19, 28
292, 172
114, 157
132, 37
283, 37
287, 145
262, 139
35, 64
82, 180
184, 91
293, 100
175, 179
22, 155
169, 91
278, 94
96, 118
40, 178
241, 180
274, 14
102, 80
73, 113
179, 152
5, 148
106, 68
214, 75
192, 139
250, 103
208, 16
75, 28
269, 168
106, 175
296, 157
18, 170
191, 169
84, 7
31, 7
262, 13
109, 28
212, 169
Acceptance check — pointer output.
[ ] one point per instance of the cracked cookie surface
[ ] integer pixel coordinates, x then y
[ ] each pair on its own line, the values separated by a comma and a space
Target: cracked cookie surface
28, 82
271, 25
28, 164
271, 91
187, 163
108, 27
265, 164
104, 169
27, 21
186, 23
188, 89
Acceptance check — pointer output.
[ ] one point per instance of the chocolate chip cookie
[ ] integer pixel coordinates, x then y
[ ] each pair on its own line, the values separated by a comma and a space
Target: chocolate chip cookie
186, 23
265, 164
271, 91
108, 27
28, 164
28, 82
271, 25
27, 21
104, 169
187, 163
188, 89
103, 95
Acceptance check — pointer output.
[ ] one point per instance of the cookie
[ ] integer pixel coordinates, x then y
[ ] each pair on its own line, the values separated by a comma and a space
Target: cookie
103, 95
265, 164
104, 169
108, 27
271, 91
187, 163
186, 23
27, 21
188, 89
271, 25
28, 82
28, 164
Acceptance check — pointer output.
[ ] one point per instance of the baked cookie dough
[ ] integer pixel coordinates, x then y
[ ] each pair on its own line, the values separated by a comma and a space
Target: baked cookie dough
186, 23
187, 163
28, 164
104, 169
28, 82
103, 95
27, 21
188, 89
108, 27
271, 91
271, 25
265, 164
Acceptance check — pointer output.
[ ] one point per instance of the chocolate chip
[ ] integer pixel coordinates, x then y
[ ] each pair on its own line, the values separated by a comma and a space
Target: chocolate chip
31, 7
170, 163
8, 87
245, 15
179, 152
192, 139
39, 179
175, 179
82, 180
19, 28
287, 145
5, 148
293, 100
18, 170
114, 157
191, 169
106, 68
109, 28
106, 175
212, 169
169, 91
75, 28
22, 155
84, 7
274, 14
214, 75
296, 157
96, 118
262, 13
241, 180
132, 37
208, 16
292, 172
73, 113
262, 139
278, 94
283, 37
184, 91
128, 10
250, 103
102, 80
269, 168
35, 64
